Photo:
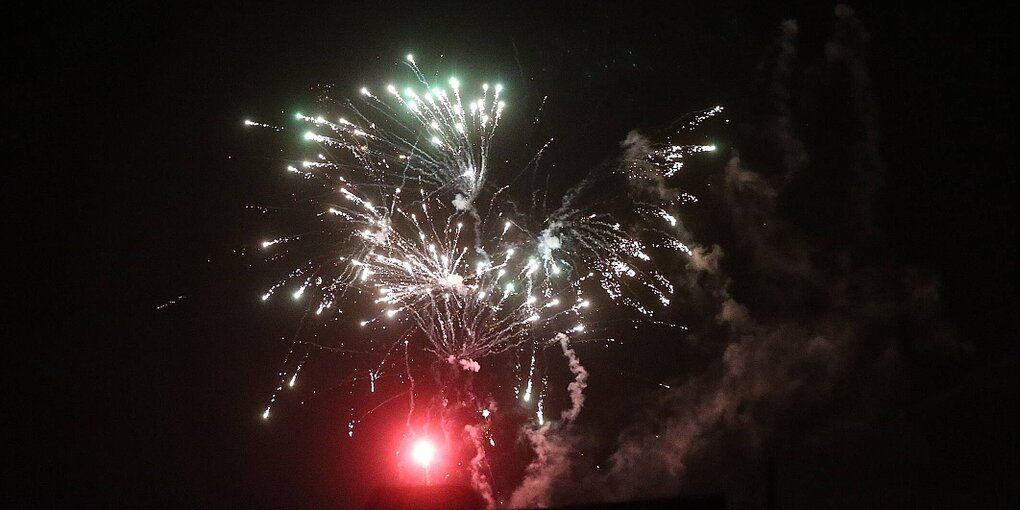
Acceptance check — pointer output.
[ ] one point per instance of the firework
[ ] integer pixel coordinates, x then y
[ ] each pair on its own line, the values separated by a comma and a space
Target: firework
417, 216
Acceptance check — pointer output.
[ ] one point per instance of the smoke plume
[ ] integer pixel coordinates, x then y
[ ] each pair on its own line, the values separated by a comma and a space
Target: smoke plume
808, 332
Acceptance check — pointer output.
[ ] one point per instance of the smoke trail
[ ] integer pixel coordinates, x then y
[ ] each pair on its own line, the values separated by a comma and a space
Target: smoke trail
576, 388
552, 443
551, 463
479, 465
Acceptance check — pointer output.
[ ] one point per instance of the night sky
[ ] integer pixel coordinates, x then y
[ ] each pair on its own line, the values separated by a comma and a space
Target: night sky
852, 313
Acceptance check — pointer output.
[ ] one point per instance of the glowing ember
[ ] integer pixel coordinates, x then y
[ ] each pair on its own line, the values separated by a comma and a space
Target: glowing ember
423, 452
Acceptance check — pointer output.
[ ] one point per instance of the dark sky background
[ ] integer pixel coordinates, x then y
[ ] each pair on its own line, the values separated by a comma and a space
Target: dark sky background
128, 172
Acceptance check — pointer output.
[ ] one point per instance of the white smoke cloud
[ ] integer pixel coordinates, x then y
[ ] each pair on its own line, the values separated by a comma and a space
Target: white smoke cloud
706, 260
461, 203
468, 365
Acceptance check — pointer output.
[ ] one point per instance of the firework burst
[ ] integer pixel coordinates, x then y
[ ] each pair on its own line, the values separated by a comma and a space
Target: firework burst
418, 217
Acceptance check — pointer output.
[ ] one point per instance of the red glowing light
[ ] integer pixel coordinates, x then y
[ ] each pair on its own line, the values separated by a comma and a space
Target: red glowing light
423, 452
